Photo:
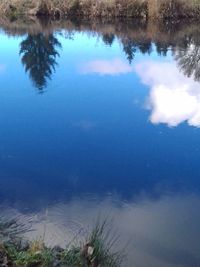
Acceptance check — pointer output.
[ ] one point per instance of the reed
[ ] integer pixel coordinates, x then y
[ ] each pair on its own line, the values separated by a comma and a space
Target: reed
97, 249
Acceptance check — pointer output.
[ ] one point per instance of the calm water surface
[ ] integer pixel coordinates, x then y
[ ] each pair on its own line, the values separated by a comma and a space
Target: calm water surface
103, 120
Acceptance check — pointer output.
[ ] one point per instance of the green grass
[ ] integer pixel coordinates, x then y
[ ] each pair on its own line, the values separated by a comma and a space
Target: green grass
98, 249
43, 257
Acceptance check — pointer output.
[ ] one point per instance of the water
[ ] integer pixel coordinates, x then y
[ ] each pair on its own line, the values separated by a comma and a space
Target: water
102, 120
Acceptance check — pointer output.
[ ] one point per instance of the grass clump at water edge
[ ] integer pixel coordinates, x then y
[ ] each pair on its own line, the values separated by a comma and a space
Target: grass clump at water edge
95, 251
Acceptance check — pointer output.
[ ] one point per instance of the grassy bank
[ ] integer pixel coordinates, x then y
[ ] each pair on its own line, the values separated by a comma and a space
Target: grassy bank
95, 251
102, 8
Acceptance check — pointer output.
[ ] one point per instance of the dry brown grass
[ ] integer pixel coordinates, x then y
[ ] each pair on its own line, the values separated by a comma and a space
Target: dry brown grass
84, 8
102, 8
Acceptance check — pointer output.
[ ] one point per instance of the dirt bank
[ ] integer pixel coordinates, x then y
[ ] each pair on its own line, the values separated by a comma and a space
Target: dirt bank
145, 9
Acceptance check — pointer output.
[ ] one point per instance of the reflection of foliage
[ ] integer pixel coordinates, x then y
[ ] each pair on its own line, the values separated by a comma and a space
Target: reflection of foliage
162, 48
145, 47
11, 229
39, 57
108, 38
189, 61
130, 47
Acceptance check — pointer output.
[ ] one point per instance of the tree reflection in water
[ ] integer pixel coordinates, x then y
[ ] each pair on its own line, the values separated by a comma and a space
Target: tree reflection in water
130, 47
108, 38
39, 51
186, 52
39, 54
189, 61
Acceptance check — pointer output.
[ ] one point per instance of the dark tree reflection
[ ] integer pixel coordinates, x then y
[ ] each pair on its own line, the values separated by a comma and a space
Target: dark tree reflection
108, 38
130, 47
39, 54
162, 48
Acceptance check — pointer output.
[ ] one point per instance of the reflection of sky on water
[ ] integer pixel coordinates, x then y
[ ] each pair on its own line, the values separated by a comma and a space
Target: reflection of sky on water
2, 68
87, 146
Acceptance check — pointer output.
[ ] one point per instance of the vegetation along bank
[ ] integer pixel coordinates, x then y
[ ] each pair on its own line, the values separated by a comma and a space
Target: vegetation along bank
162, 9
95, 250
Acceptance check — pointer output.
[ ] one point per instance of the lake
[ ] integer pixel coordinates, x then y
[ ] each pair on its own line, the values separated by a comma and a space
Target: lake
102, 120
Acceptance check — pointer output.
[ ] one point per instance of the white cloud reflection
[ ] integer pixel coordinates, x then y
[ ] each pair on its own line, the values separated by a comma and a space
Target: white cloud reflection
173, 97
106, 67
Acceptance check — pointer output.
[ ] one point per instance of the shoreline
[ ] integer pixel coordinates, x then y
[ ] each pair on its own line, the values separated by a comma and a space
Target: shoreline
90, 9
96, 249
